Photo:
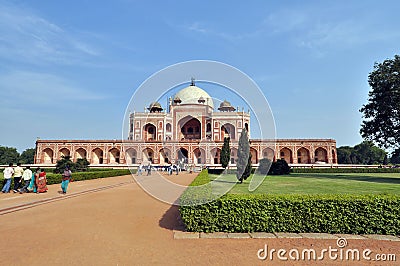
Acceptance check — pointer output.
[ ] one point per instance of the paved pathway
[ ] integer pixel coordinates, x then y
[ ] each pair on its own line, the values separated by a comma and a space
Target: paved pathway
114, 222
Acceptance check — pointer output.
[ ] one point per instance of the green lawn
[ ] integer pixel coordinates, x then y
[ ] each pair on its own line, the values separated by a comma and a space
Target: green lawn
322, 183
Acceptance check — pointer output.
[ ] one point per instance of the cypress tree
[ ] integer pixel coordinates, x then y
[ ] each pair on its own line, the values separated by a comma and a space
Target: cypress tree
225, 155
243, 155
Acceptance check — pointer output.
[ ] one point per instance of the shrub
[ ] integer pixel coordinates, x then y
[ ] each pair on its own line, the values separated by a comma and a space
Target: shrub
280, 167
341, 214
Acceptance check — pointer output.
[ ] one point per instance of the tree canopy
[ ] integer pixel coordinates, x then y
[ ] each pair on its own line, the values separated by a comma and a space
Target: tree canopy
381, 114
364, 153
27, 156
8, 155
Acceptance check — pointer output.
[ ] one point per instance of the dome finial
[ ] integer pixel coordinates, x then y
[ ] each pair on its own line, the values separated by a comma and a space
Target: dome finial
192, 83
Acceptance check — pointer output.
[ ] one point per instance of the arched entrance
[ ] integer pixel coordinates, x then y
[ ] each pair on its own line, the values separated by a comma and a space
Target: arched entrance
148, 155
131, 156
303, 155
269, 154
286, 154
215, 155
114, 156
183, 155
321, 155
165, 156
149, 132
190, 128
228, 130
199, 156
80, 154
48, 156
64, 152
254, 156
97, 156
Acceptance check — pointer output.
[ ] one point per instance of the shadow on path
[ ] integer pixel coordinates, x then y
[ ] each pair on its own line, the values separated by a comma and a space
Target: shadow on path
172, 219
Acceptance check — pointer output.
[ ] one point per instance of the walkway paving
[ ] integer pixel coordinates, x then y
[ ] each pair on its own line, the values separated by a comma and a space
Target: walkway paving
114, 222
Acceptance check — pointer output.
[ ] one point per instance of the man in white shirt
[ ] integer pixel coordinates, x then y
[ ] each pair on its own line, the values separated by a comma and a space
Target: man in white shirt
27, 176
8, 173
18, 172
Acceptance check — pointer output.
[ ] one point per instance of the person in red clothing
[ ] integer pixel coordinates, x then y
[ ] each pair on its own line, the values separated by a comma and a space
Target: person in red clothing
41, 182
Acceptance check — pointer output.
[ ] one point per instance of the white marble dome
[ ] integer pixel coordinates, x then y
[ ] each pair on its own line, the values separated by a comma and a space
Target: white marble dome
192, 94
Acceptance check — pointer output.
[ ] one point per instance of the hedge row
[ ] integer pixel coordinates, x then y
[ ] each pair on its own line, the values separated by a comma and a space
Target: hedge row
79, 176
296, 213
341, 214
346, 170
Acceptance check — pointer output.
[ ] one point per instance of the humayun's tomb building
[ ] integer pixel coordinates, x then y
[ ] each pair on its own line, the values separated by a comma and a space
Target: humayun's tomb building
189, 131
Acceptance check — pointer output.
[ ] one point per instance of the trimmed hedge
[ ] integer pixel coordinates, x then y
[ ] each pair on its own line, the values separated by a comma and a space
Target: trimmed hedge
345, 170
79, 176
341, 214
344, 214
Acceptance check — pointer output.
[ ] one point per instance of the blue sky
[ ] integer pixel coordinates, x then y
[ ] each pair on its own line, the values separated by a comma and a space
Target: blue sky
69, 68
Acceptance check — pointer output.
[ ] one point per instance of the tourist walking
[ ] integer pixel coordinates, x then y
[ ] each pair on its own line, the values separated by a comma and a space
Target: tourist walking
170, 169
140, 170
8, 173
32, 185
18, 172
66, 178
41, 182
149, 169
27, 177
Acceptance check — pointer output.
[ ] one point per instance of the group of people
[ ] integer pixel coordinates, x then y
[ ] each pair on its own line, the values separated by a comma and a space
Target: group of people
169, 168
26, 180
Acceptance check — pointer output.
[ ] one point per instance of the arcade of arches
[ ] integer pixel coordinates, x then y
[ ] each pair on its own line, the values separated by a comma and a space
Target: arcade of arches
198, 153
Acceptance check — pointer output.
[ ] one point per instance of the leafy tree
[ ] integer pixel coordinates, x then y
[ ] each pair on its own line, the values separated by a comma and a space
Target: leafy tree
395, 158
364, 153
63, 163
81, 164
381, 114
225, 155
280, 167
27, 156
243, 155
265, 165
8, 155
367, 153
344, 154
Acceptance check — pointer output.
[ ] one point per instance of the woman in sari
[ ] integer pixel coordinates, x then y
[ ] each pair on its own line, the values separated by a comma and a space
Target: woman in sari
41, 182
32, 184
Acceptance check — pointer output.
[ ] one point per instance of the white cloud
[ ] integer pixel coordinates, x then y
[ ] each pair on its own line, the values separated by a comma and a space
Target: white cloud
26, 37
202, 28
30, 87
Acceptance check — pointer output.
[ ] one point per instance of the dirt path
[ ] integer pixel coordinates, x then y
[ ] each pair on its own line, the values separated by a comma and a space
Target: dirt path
125, 226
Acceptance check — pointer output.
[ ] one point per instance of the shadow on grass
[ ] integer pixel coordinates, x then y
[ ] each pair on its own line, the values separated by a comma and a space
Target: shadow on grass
172, 219
375, 179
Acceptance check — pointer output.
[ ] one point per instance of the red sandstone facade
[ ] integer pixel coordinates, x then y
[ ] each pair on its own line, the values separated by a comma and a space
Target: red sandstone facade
190, 131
